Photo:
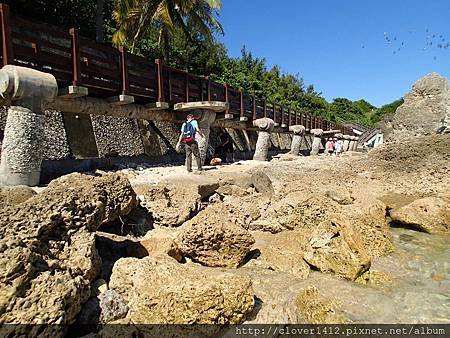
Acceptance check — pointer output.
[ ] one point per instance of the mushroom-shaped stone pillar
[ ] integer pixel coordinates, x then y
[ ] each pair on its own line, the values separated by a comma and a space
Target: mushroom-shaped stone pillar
318, 133
352, 143
299, 132
355, 144
265, 126
346, 142
204, 123
22, 150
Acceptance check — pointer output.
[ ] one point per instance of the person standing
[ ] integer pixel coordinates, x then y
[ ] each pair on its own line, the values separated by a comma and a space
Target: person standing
338, 146
329, 147
189, 129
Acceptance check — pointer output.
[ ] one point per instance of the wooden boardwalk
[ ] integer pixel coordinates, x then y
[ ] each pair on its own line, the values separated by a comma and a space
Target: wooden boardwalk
108, 72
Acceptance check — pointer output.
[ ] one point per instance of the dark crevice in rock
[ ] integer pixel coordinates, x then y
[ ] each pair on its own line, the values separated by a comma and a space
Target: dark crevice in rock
137, 223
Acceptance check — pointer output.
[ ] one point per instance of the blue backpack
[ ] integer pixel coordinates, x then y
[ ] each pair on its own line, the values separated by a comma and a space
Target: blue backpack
188, 133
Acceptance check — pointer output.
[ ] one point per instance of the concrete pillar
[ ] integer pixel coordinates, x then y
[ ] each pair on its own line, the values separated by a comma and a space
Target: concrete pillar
352, 144
28, 90
346, 142
204, 123
299, 133
355, 144
317, 141
265, 126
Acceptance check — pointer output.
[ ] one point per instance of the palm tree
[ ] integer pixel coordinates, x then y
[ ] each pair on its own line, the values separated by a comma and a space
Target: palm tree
135, 18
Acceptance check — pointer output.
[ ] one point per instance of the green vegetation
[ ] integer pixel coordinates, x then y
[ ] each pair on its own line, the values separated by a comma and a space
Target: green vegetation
182, 32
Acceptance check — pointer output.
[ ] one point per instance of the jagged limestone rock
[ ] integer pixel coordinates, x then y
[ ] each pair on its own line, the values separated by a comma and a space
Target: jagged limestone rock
159, 290
48, 251
424, 109
215, 238
429, 214
336, 247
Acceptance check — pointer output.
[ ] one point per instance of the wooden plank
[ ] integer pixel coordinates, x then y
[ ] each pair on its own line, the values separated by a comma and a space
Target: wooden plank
159, 80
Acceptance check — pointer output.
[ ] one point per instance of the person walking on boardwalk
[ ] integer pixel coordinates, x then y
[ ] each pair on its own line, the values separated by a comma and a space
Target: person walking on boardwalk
189, 129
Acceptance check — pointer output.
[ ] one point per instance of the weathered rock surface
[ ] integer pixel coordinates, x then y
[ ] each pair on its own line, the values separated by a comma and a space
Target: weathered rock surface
112, 306
215, 238
48, 251
316, 309
162, 241
281, 252
340, 196
429, 214
173, 202
10, 196
374, 278
368, 218
297, 209
160, 290
336, 247
424, 109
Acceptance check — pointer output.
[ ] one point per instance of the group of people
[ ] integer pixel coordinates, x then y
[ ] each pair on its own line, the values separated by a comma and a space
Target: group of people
334, 146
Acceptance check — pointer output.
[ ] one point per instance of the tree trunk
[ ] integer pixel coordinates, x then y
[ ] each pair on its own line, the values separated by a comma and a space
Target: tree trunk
99, 29
166, 47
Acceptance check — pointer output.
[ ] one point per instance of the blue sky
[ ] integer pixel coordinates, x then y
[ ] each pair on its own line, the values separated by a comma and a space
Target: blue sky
342, 47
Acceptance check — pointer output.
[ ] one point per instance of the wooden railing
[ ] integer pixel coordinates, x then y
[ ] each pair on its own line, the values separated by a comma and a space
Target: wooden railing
107, 71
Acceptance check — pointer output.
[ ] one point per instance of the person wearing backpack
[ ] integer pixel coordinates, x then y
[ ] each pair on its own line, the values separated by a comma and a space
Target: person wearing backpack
188, 131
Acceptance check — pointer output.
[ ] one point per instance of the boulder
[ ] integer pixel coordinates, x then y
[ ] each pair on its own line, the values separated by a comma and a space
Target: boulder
215, 237
298, 209
424, 108
262, 183
368, 218
335, 247
48, 254
159, 290
281, 252
316, 309
429, 214
173, 202
162, 241
341, 196
14, 195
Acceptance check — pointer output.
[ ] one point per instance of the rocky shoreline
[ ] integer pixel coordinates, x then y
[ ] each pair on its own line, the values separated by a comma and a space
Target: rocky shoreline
360, 238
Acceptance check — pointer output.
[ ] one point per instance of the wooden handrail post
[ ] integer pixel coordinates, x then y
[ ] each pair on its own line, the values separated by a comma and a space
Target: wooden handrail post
159, 78
124, 68
254, 107
282, 115
76, 60
7, 46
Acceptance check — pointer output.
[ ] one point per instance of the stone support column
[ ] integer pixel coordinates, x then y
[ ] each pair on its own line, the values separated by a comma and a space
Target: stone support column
28, 90
352, 143
265, 126
346, 142
317, 141
299, 133
204, 123
355, 144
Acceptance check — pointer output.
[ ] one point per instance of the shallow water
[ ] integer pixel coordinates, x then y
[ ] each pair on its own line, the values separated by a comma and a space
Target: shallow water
419, 293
